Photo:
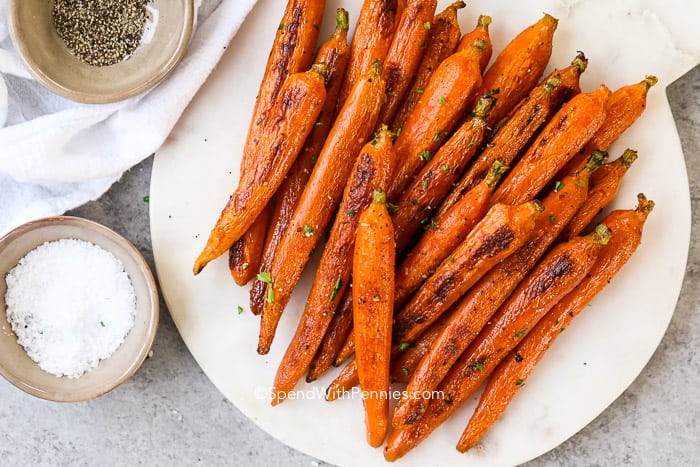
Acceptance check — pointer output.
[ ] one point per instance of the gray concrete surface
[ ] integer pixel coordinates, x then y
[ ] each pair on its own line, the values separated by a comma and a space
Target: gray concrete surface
170, 414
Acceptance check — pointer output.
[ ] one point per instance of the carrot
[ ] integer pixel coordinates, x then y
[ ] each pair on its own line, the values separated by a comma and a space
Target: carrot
566, 134
245, 255
527, 118
556, 275
502, 231
471, 313
345, 381
601, 192
623, 108
374, 32
441, 43
295, 111
334, 53
405, 361
346, 350
481, 31
519, 66
512, 373
436, 178
451, 90
438, 242
405, 53
336, 334
373, 305
320, 198
371, 171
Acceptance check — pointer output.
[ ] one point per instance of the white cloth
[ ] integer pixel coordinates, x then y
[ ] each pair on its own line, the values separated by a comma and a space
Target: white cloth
56, 154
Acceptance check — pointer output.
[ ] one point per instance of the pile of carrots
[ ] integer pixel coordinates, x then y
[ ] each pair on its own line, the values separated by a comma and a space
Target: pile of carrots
458, 201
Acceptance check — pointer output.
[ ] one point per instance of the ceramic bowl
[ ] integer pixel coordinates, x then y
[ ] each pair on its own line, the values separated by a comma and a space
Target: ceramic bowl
15, 364
48, 59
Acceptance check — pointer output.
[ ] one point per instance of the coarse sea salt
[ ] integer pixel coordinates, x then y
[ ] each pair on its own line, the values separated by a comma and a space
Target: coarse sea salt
71, 304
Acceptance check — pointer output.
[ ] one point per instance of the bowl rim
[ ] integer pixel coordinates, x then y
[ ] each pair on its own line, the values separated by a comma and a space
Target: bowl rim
83, 97
153, 317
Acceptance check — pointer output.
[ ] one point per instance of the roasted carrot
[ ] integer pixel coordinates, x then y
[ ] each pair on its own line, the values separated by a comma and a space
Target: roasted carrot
502, 231
295, 111
481, 31
321, 196
334, 53
438, 175
346, 350
601, 192
441, 43
527, 118
335, 337
291, 53
405, 53
452, 90
373, 34
622, 109
371, 172
471, 314
519, 66
512, 373
565, 135
373, 307
405, 361
556, 275
444, 235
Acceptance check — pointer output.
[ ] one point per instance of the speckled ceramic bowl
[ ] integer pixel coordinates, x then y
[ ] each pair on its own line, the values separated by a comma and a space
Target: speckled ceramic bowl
24, 373
169, 28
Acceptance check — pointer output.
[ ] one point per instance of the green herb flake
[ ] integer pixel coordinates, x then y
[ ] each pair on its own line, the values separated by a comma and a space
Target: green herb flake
336, 288
102, 323
479, 366
452, 348
265, 276
425, 183
521, 333
429, 224
391, 207
426, 25
281, 27
418, 91
414, 202
445, 168
438, 135
146, 199
425, 155
404, 345
519, 382
240, 310
558, 185
441, 101
318, 124
578, 183
392, 93
258, 121
350, 212
398, 132
309, 231
405, 371
451, 259
552, 218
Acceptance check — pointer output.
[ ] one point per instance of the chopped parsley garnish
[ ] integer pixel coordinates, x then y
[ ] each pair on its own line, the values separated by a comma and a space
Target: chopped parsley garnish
451, 259
441, 101
146, 199
404, 345
552, 218
350, 212
578, 183
240, 310
519, 382
418, 91
426, 25
558, 185
266, 277
405, 371
318, 124
438, 135
479, 366
309, 231
281, 26
102, 323
425, 155
521, 333
336, 288
445, 168
391, 207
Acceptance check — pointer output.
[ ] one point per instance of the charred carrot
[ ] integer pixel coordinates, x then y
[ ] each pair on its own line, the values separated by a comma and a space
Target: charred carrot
405, 361
373, 307
481, 31
622, 109
527, 118
245, 255
502, 231
555, 276
601, 192
444, 235
434, 181
374, 32
346, 350
519, 66
292, 117
334, 53
565, 135
452, 90
320, 198
405, 53
441, 43
472, 312
512, 373
345, 381
335, 337
371, 171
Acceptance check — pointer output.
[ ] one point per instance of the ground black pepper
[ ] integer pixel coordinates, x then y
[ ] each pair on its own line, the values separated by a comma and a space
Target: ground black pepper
100, 32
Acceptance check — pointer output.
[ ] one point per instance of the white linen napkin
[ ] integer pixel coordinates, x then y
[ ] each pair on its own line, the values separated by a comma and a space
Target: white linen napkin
56, 154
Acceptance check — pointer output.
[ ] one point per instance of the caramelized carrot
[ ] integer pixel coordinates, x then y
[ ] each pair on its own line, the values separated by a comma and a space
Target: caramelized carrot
519, 66
373, 34
502, 231
451, 90
441, 43
320, 198
371, 171
434, 181
405, 53
373, 306
245, 255
405, 361
347, 349
444, 236
334, 53
555, 276
481, 31
344, 382
601, 192
527, 118
623, 108
336, 334
471, 313
512, 373
565, 135
296, 109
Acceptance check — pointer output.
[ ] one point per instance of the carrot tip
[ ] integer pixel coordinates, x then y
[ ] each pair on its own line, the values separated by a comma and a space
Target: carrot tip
342, 19
484, 21
644, 206
597, 159
628, 157
580, 62
650, 80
